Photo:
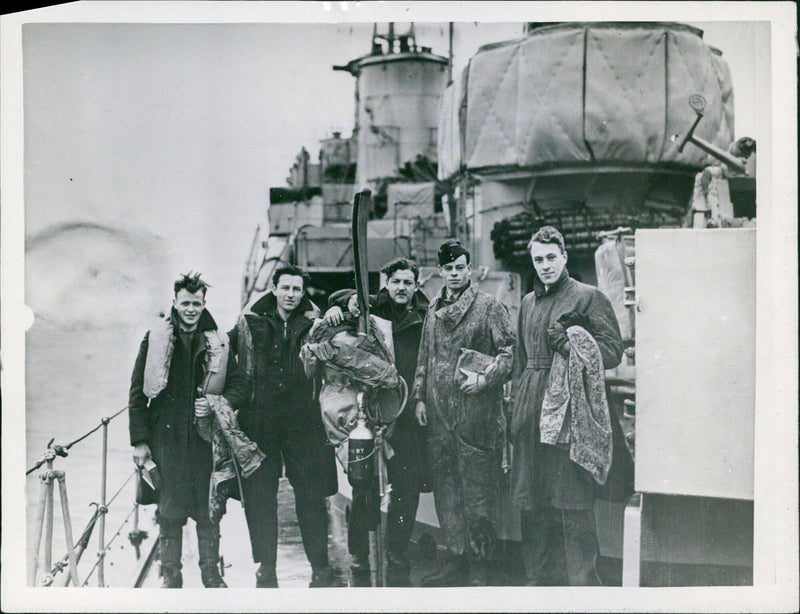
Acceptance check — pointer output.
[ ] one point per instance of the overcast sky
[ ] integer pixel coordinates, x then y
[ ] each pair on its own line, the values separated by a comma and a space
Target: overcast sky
181, 129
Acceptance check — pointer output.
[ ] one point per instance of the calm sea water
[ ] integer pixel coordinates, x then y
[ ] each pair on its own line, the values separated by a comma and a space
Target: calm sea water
75, 378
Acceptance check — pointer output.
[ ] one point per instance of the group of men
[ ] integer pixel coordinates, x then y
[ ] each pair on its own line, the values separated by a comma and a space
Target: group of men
454, 354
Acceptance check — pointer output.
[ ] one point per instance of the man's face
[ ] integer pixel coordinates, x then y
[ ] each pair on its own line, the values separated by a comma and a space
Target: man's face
352, 305
189, 306
549, 261
401, 286
456, 274
289, 291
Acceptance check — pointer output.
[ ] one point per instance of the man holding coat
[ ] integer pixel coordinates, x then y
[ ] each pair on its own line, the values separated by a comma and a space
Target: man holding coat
465, 357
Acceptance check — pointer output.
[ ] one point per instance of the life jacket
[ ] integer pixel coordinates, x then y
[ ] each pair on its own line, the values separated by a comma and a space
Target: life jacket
160, 346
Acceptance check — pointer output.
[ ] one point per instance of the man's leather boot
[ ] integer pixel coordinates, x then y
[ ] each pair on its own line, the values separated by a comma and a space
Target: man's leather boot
170, 550
360, 572
266, 576
398, 570
208, 555
324, 577
451, 572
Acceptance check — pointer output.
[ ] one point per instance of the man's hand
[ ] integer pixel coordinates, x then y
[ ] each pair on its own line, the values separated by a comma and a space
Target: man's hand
334, 316
141, 452
421, 414
573, 318
324, 350
474, 383
558, 340
201, 407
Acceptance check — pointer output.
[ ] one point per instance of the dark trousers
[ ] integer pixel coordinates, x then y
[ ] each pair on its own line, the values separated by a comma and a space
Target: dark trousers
560, 547
365, 516
403, 503
294, 444
174, 525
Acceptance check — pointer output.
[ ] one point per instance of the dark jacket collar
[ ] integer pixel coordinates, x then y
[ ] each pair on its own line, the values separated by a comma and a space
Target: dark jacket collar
382, 306
267, 305
539, 289
205, 323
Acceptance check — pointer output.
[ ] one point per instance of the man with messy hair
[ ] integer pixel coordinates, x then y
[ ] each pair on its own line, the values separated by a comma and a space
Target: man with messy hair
182, 357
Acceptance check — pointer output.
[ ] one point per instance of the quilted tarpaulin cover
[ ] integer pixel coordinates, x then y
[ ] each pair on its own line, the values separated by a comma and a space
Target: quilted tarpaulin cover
577, 94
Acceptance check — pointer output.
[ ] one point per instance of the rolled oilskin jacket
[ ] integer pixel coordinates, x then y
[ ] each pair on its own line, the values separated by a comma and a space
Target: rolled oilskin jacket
363, 362
228, 443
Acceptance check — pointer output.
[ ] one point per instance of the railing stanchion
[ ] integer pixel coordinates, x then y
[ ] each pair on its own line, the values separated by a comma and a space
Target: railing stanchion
73, 561
33, 555
101, 529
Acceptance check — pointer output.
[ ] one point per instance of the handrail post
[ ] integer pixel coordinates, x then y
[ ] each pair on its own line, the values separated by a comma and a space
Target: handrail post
101, 529
33, 555
73, 561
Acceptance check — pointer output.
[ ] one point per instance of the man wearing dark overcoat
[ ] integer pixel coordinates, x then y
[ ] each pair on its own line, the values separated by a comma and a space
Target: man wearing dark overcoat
403, 304
181, 358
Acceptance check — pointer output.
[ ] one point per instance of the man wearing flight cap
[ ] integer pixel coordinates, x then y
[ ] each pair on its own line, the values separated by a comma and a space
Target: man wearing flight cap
465, 357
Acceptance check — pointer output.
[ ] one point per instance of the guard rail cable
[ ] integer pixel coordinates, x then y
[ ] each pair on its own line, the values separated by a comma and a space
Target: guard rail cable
67, 565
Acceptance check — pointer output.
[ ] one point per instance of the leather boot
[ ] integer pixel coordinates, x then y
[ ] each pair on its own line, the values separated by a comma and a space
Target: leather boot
266, 576
208, 557
398, 570
360, 572
451, 572
170, 549
324, 577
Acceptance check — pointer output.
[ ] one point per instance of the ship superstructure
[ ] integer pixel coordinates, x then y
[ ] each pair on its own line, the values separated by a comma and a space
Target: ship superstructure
622, 136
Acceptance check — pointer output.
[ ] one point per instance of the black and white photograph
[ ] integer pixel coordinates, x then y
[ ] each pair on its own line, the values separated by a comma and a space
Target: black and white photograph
402, 306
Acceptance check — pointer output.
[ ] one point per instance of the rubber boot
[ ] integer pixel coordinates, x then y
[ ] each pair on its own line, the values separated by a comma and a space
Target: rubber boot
170, 549
208, 556
478, 570
451, 572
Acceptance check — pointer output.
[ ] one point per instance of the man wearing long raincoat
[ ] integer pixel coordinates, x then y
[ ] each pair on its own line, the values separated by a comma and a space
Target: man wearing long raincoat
463, 412
181, 358
555, 494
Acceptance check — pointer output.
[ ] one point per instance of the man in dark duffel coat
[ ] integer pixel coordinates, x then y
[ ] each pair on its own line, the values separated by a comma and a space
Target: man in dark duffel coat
281, 416
182, 357
402, 303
